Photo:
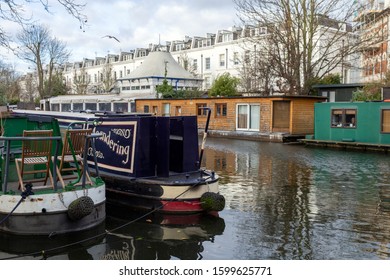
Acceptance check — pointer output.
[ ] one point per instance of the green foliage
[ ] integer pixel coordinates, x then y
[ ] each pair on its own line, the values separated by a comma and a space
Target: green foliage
330, 79
187, 94
224, 85
370, 92
165, 89
57, 87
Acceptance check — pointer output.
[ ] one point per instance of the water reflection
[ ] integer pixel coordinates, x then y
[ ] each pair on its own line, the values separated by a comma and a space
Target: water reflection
72, 246
161, 237
282, 202
303, 203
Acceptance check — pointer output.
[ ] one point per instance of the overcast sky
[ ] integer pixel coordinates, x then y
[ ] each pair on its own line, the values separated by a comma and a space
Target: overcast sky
136, 23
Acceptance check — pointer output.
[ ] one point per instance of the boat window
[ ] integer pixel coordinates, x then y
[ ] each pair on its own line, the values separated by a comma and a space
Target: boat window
106, 107
385, 121
343, 118
220, 110
248, 117
65, 107
78, 107
178, 111
121, 107
166, 109
200, 109
91, 106
55, 107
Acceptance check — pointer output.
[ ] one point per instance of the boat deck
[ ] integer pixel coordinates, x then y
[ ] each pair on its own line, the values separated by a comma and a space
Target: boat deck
39, 187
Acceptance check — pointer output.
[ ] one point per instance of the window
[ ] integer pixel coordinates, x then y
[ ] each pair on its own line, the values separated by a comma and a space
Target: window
78, 107
65, 107
121, 107
220, 110
385, 121
166, 109
155, 110
105, 107
248, 117
236, 58
195, 64
199, 109
146, 108
227, 37
207, 63
343, 118
207, 82
178, 111
90, 106
222, 60
55, 107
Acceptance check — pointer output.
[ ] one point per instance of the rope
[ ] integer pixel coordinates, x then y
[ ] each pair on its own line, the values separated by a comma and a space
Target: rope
44, 252
24, 194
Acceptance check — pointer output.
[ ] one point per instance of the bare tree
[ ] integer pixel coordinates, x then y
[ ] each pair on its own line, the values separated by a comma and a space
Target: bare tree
13, 10
29, 88
108, 81
39, 48
81, 81
256, 74
58, 55
305, 39
188, 63
9, 87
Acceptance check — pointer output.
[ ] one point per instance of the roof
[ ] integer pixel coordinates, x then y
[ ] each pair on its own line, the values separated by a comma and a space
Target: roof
154, 66
354, 85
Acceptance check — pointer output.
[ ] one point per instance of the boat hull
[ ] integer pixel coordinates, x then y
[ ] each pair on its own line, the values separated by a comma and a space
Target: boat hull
48, 214
173, 195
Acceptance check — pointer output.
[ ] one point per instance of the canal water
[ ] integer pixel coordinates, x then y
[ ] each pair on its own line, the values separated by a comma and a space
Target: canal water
283, 202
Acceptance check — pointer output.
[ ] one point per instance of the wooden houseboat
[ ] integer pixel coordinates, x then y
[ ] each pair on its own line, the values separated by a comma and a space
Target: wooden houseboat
271, 118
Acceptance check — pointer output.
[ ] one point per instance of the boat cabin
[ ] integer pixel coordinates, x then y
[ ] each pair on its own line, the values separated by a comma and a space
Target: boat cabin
360, 122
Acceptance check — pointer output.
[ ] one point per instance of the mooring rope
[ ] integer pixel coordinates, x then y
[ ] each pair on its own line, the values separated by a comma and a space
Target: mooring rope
24, 195
44, 252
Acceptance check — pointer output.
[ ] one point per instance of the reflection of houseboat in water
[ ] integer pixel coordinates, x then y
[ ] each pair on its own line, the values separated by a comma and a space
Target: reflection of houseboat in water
73, 246
148, 162
162, 237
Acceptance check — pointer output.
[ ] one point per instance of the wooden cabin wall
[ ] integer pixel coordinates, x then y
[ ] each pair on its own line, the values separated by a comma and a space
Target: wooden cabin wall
301, 112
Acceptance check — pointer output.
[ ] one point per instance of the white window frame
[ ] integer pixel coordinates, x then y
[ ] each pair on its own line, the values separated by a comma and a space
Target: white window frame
248, 120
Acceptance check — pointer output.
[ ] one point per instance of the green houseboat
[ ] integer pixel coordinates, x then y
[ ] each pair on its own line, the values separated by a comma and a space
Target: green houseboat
363, 125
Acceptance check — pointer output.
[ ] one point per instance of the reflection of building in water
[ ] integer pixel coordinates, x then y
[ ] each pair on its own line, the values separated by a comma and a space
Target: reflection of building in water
273, 187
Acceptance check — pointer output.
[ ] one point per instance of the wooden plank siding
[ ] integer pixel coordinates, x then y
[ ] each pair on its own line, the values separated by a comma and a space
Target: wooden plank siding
301, 120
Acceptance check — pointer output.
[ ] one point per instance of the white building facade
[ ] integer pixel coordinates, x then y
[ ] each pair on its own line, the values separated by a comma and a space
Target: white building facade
204, 57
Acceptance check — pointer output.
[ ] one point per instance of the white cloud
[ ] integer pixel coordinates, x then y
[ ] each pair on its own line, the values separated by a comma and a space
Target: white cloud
136, 23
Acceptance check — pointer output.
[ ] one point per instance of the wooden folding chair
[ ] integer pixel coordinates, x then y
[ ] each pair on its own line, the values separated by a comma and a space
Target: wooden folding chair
36, 155
71, 159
